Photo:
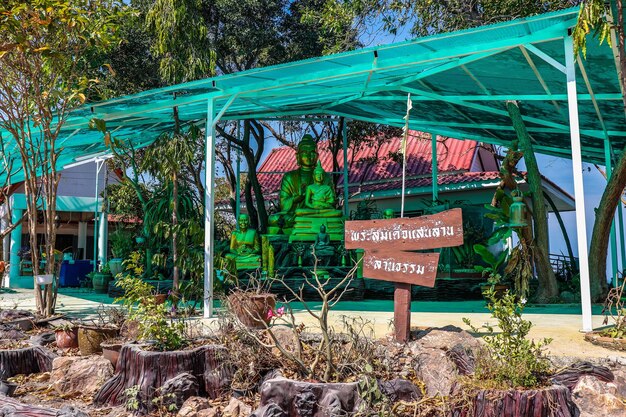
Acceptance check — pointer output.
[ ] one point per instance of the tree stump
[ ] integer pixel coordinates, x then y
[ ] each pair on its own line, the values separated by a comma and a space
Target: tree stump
28, 360
570, 376
12, 407
553, 401
149, 370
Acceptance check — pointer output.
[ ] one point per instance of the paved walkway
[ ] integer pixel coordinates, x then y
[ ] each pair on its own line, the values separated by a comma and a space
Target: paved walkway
561, 322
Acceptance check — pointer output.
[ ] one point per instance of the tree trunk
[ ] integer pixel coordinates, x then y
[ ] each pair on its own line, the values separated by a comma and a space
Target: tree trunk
26, 410
149, 370
30, 360
548, 287
602, 228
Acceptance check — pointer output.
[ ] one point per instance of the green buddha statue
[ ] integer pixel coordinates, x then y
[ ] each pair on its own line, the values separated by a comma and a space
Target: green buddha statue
389, 214
245, 246
322, 248
319, 198
294, 184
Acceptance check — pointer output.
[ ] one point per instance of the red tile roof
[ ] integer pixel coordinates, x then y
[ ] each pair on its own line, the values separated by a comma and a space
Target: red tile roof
453, 156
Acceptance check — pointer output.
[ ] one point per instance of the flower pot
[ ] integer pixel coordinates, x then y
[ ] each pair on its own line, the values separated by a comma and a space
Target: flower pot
251, 309
100, 282
44, 279
116, 267
90, 338
111, 351
66, 339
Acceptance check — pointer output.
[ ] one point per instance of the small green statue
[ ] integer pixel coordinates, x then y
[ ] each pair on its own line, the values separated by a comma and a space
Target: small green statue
322, 248
389, 214
245, 246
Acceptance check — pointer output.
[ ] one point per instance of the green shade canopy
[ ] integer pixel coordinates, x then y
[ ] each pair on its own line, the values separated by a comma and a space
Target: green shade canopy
458, 83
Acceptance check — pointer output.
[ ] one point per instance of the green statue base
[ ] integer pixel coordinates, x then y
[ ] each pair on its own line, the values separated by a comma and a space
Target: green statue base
306, 229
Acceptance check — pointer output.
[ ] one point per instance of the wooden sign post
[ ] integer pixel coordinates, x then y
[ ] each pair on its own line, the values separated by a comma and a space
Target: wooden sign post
386, 243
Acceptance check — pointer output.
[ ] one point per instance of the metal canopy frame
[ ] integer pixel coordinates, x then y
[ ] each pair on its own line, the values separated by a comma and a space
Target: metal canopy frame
458, 83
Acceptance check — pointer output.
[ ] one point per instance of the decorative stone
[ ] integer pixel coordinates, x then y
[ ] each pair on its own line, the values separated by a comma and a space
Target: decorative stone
445, 338
399, 390
596, 398
178, 389
192, 406
42, 339
80, 374
436, 371
71, 411
236, 408
284, 397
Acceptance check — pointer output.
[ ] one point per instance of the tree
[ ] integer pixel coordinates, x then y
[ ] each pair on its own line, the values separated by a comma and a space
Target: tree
45, 47
596, 16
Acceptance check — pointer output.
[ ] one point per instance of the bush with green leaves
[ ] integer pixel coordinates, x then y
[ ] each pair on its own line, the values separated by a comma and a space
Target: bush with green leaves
512, 360
154, 321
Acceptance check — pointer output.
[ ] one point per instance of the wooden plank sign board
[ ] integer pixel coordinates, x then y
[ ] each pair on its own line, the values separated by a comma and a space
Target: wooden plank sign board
386, 244
406, 267
425, 232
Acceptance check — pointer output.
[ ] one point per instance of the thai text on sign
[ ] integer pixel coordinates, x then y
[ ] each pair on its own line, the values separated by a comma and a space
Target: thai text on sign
406, 267
425, 232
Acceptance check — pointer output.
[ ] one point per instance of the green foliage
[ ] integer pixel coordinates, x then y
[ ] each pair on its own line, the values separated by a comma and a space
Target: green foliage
512, 360
593, 17
132, 398
123, 200
614, 309
494, 263
135, 263
122, 243
154, 321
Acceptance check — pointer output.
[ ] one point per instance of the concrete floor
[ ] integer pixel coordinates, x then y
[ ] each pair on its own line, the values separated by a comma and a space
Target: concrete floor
561, 322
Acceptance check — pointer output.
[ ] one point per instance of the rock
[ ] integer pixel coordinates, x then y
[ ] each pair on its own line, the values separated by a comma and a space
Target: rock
42, 339
285, 338
176, 390
192, 406
620, 381
442, 354
445, 338
570, 375
399, 390
436, 371
71, 411
10, 333
80, 374
284, 397
236, 408
8, 315
597, 398
209, 412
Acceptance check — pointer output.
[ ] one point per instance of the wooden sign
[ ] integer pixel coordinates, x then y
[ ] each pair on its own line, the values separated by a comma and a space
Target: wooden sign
425, 232
386, 243
407, 267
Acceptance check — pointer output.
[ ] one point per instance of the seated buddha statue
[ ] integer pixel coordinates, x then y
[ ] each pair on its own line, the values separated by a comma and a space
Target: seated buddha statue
245, 246
294, 184
322, 248
319, 198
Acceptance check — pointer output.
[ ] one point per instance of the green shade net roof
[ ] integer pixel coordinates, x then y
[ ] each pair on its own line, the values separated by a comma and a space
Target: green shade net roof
458, 82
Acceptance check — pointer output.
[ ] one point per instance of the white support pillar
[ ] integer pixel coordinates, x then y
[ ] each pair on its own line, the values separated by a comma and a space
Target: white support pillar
16, 243
579, 193
209, 180
103, 237
82, 238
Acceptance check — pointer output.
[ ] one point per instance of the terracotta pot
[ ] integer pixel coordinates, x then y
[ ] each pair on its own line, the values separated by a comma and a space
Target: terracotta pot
101, 282
90, 338
111, 351
251, 309
67, 339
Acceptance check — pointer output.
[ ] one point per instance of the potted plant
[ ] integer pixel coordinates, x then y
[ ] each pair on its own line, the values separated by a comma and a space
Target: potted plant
101, 279
121, 246
66, 336
252, 304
